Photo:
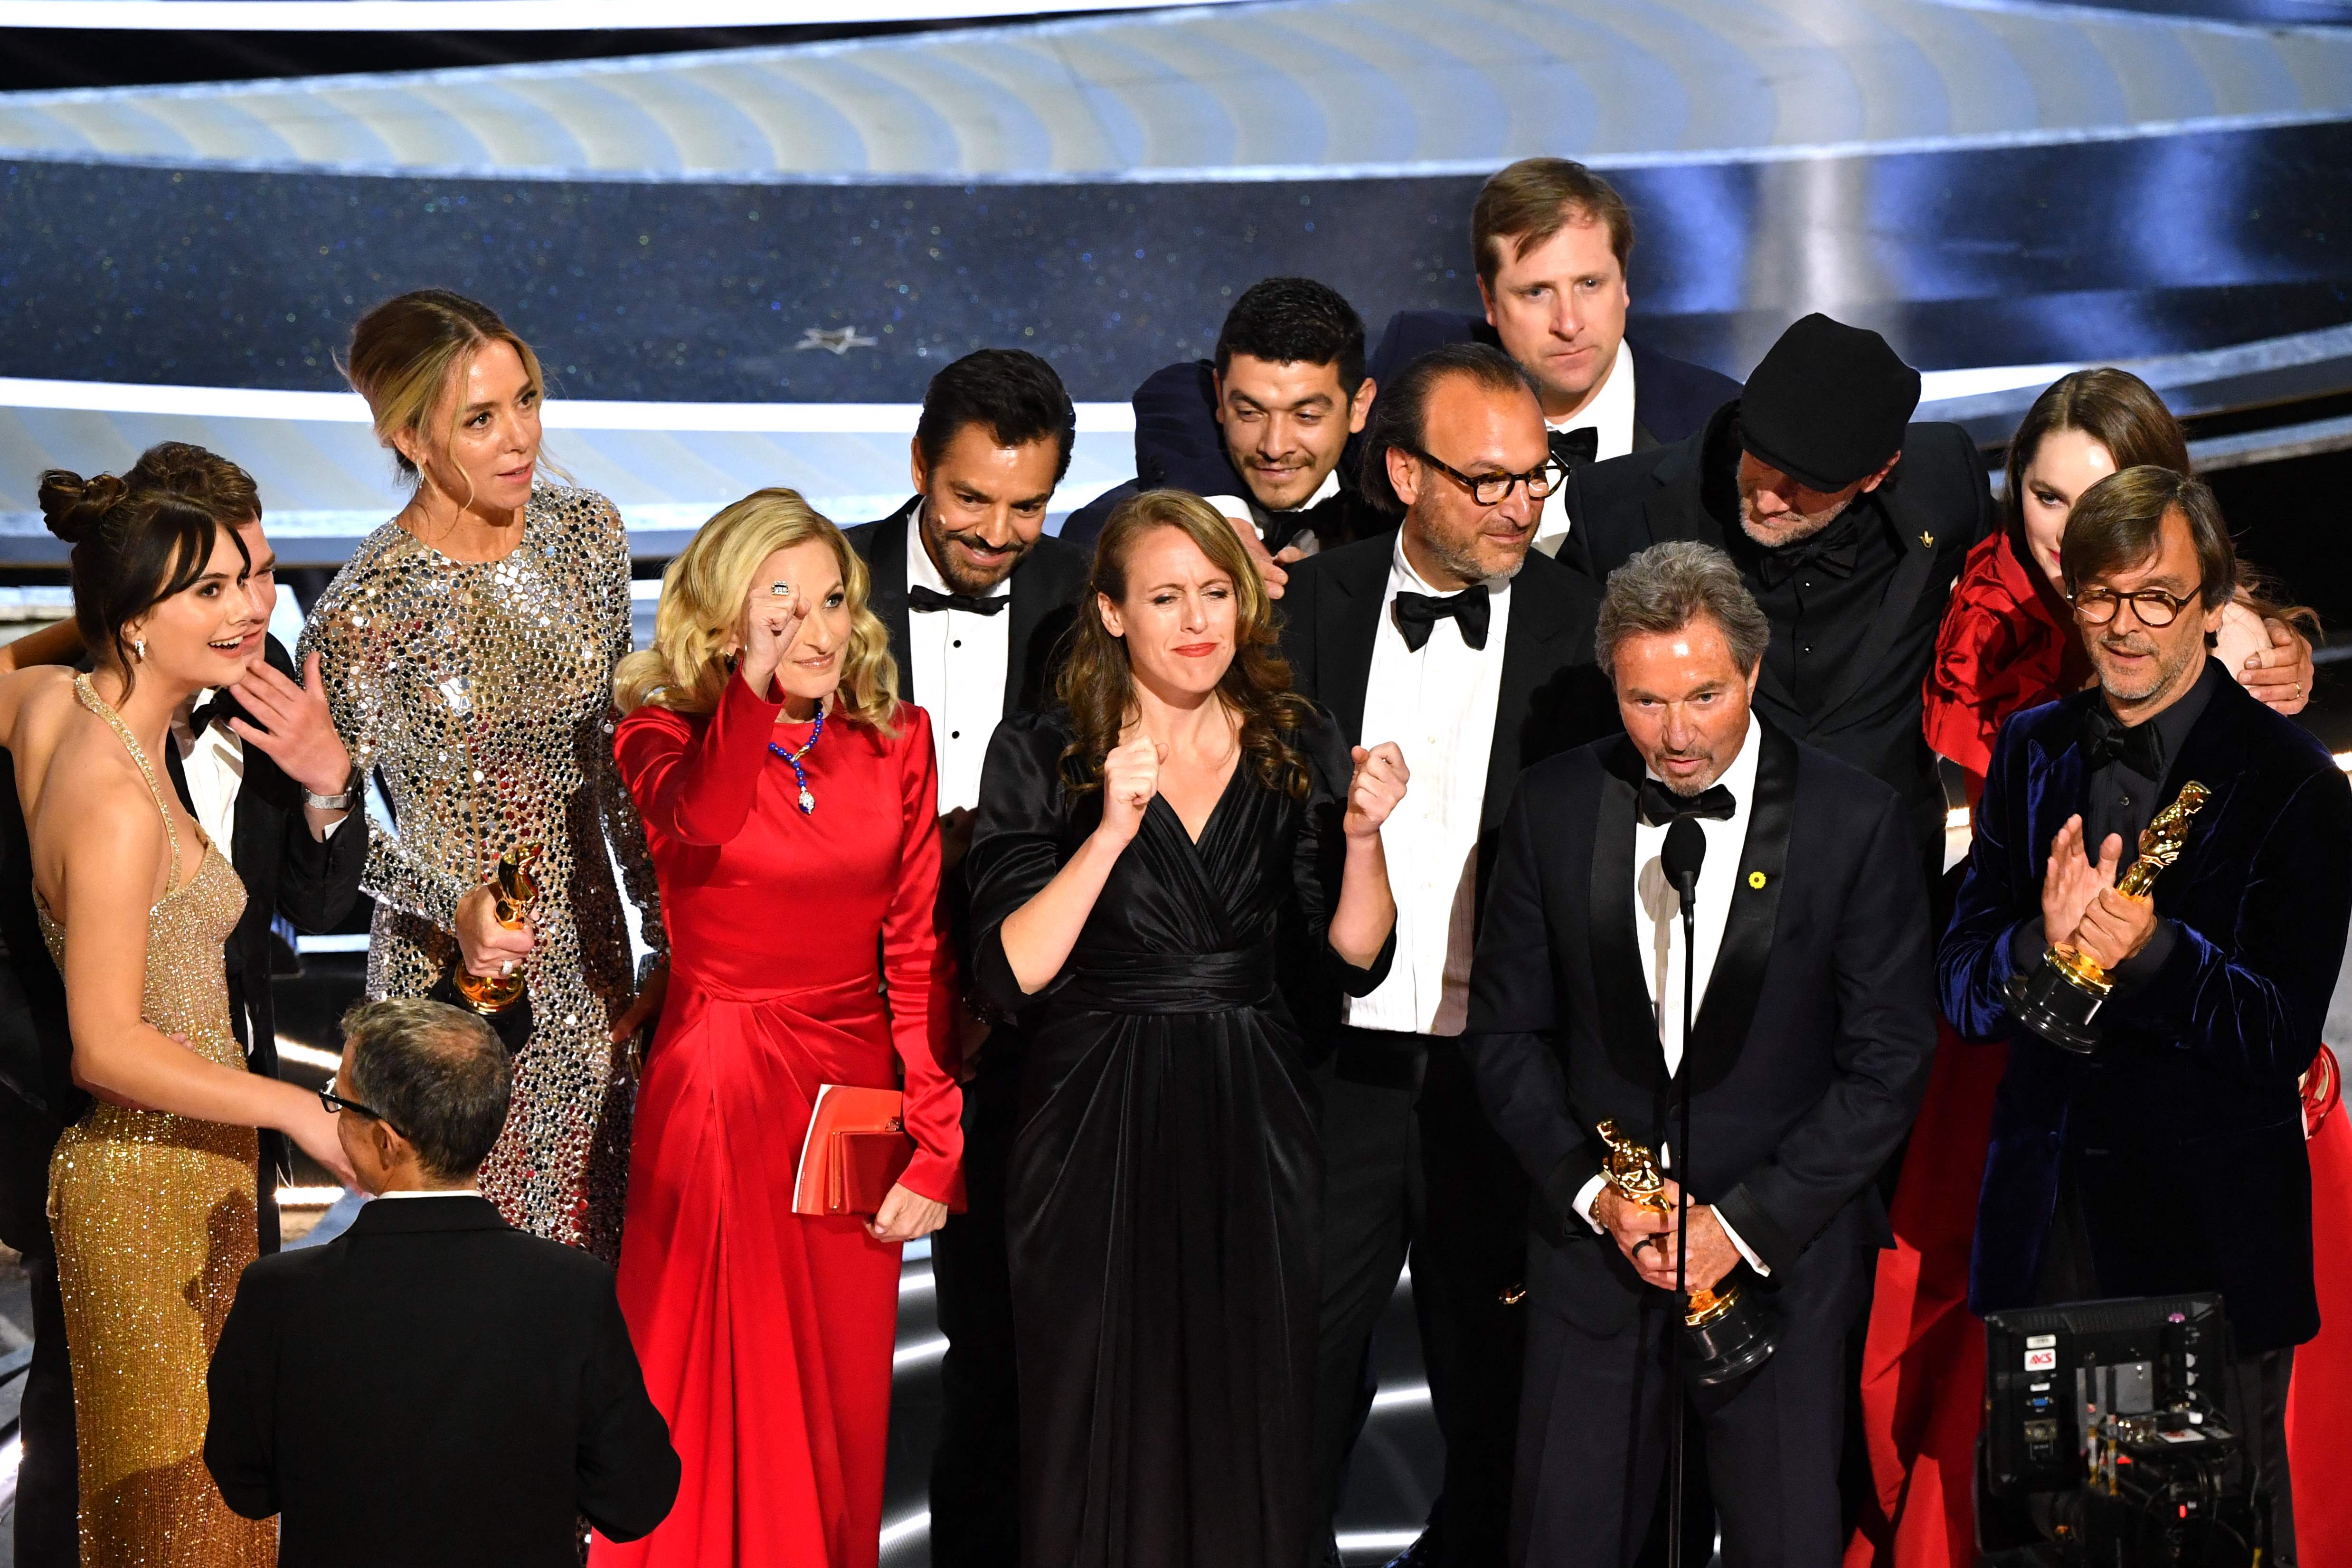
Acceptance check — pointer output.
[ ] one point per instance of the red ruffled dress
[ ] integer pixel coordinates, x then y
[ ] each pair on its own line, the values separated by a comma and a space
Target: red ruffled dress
766, 1335
2006, 644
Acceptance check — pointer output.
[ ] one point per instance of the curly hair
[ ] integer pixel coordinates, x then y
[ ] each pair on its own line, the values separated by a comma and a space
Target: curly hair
1097, 686
702, 600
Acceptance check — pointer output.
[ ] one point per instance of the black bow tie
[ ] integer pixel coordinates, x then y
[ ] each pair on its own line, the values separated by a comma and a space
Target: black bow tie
1836, 550
922, 601
1417, 614
1660, 805
220, 708
1577, 448
2107, 738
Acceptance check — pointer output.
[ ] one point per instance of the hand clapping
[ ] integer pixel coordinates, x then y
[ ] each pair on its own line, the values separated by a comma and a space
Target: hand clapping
1377, 785
1131, 778
2069, 882
771, 622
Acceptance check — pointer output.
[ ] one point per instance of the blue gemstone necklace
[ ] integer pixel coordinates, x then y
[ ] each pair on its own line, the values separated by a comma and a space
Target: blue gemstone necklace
800, 774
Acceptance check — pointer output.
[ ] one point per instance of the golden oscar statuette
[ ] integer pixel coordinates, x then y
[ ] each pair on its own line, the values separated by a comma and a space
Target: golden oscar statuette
513, 892
2059, 996
1724, 1334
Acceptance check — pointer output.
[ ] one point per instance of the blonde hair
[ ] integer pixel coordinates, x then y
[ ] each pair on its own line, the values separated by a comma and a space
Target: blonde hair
408, 352
702, 599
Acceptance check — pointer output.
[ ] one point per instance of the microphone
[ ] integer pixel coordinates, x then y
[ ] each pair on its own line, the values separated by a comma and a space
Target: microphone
1685, 847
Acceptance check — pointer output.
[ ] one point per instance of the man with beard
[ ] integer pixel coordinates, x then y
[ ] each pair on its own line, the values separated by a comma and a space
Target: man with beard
975, 597
1551, 241
2168, 1158
1260, 429
260, 765
1848, 523
1448, 636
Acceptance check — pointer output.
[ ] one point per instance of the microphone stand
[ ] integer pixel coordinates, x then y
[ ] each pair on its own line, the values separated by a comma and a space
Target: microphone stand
1687, 889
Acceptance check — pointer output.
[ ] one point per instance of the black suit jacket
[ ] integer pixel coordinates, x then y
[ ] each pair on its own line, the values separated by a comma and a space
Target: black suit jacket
1671, 397
1178, 445
1938, 504
1553, 696
434, 1387
1046, 587
2185, 1130
285, 871
1813, 1038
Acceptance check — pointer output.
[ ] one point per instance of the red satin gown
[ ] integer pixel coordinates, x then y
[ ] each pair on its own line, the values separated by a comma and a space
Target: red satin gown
766, 1335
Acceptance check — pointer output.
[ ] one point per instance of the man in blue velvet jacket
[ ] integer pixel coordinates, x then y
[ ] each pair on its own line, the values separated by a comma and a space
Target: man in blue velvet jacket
2170, 1159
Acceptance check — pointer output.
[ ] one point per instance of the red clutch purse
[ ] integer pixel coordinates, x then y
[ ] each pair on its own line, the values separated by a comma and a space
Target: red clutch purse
855, 1150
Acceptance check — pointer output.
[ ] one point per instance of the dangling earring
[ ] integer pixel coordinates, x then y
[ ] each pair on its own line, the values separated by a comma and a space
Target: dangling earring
139, 649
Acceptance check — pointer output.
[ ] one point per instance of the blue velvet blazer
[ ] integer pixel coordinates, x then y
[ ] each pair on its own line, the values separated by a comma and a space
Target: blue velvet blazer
2185, 1132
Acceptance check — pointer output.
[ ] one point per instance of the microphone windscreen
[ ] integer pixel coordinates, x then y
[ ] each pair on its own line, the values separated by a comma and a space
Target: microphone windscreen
1686, 848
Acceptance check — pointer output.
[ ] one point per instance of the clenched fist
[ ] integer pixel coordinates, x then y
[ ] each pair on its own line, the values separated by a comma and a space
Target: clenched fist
772, 620
1131, 778
1377, 785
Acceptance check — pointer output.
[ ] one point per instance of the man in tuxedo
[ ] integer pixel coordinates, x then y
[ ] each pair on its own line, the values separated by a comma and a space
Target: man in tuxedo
1449, 637
1260, 429
1551, 241
976, 598
260, 767
432, 1387
1848, 524
1814, 1027
2170, 1157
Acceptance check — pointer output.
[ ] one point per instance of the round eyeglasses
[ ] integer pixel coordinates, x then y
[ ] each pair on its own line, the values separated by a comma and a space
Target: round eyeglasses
2154, 608
1489, 489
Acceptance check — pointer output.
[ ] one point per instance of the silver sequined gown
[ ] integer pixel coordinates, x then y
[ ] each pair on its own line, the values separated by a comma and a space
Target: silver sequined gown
481, 692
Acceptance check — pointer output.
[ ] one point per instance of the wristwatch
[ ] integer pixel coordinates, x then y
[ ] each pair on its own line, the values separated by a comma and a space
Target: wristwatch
342, 801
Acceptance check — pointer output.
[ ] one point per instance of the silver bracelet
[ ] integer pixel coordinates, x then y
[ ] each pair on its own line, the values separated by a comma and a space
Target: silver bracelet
342, 801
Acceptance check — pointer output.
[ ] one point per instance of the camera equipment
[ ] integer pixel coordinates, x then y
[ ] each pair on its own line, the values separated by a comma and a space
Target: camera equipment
2105, 1443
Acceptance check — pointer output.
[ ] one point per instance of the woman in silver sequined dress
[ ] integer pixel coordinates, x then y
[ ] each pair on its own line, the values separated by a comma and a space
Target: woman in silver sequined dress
467, 649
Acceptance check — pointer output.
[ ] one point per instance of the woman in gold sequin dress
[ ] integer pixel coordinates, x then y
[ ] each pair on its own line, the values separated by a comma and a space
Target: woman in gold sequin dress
151, 1190
467, 651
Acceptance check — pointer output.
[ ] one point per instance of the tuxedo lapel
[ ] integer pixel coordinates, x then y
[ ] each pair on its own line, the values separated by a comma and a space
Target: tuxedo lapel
1736, 982
886, 591
1348, 619
1537, 621
1029, 597
1629, 1027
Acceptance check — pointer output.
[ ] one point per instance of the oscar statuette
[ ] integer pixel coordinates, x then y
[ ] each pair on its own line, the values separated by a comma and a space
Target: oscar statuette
2058, 998
504, 999
1724, 1334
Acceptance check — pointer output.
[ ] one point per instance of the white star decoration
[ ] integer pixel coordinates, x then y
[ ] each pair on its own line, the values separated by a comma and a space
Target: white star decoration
838, 342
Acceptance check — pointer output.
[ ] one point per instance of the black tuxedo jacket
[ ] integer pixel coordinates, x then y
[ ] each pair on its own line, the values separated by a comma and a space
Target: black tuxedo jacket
434, 1387
1178, 445
285, 871
1936, 502
2185, 1130
1813, 1038
1553, 696
1671, 397
1046, 587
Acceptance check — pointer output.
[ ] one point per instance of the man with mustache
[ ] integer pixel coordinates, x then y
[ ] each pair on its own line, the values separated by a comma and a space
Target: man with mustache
1449, 637
2171, 1158
975, 597
260, 765
1551, 241
1261, 428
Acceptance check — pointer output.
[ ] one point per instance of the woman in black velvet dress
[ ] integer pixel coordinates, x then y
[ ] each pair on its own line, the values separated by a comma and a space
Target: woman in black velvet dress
1142, 860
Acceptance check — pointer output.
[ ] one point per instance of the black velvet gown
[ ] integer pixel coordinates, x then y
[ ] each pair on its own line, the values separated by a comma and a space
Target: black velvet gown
1162, 1206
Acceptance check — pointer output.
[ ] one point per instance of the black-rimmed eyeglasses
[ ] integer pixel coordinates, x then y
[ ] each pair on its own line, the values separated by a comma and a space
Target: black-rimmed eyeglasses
2155, 608
336, 1103
1490, 490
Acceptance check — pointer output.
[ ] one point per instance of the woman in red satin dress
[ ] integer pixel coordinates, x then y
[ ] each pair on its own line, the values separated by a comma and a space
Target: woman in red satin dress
2008, 642
790, 806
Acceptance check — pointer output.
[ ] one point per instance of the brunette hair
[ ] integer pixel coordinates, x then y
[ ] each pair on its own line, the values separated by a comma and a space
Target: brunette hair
1400, 411
702, 598
205, 480
132, 549
1098, 685
1011, 392
1295, 321
1534, 199
2116, 525
406, 353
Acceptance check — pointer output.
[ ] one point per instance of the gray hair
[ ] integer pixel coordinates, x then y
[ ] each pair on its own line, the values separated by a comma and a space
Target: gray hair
438, 1075
1666, 588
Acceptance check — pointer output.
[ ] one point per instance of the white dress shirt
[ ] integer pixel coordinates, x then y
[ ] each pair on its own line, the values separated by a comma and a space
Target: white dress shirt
1438, 706
959, 660
1238, 509
1657, 919
434, 1192
214, 765
1610, 417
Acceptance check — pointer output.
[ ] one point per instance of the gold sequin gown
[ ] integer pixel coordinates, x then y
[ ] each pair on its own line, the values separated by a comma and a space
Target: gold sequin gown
482, 694
154, 1221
